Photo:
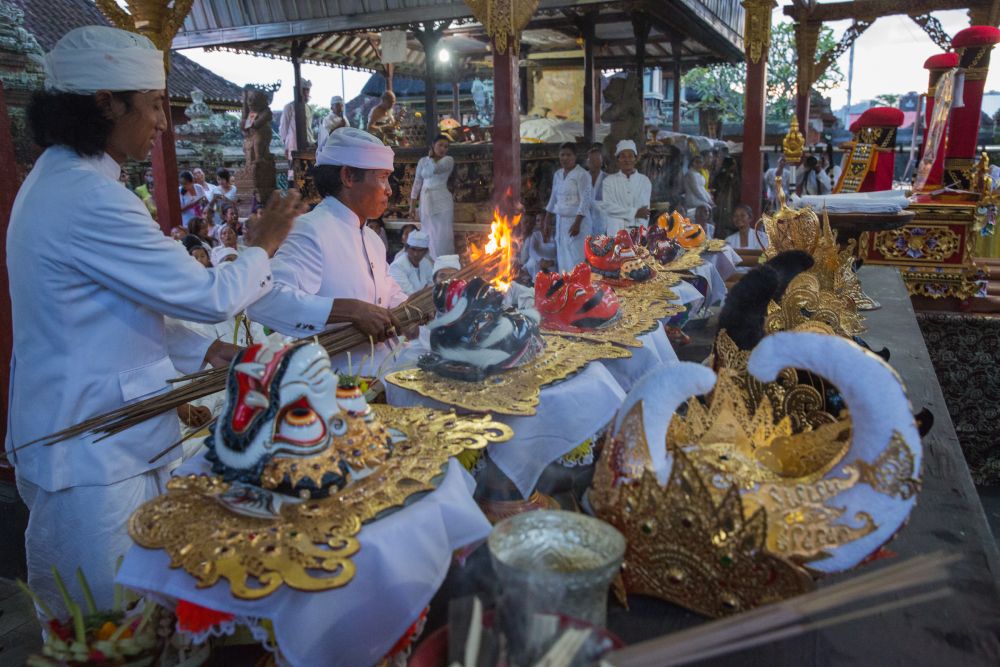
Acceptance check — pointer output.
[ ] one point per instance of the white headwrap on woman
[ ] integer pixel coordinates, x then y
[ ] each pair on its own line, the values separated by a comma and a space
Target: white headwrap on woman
351, 147
626, 145
95, 57
220, 253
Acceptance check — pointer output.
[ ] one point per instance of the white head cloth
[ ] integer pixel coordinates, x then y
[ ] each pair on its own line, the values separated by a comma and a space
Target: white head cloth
306, 83
336, 99
626, 145
445, 262
418, 239
220, 253
351, 147
95, 57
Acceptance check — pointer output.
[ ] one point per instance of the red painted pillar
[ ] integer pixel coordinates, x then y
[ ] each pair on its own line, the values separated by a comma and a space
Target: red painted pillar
973, 46
8, 189
166, 192
506, 130
752, 175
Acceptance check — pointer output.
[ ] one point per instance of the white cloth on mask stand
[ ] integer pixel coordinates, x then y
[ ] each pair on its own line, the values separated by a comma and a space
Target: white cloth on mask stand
655, 351
437, 206
592, 396
86, 248
571, 197
622, 197
725, 261
716, 285
402, 561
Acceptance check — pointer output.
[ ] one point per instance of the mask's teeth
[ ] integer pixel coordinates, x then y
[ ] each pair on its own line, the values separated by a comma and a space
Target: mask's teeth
255, 399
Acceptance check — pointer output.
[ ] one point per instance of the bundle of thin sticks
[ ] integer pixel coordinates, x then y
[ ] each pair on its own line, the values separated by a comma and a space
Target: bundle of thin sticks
416, 310
840, 603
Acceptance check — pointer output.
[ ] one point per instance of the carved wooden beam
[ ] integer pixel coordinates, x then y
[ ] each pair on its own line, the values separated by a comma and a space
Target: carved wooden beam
872, 9
843, 46
934, 30
987, 13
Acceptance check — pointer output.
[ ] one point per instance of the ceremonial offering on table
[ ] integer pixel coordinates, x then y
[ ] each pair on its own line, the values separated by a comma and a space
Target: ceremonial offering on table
313, 491
486, 358
573, 304
797, 486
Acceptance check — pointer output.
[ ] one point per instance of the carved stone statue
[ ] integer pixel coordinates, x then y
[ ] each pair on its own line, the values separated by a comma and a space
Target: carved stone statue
624, 113
256, 126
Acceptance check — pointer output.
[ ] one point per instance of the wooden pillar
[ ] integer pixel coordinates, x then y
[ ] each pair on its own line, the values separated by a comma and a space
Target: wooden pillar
429, 36
506, 129
806, 36
456, 109
8, 189
165, 177
675, 119
757, 39
390, 70
301, 143
591, 91
640, 29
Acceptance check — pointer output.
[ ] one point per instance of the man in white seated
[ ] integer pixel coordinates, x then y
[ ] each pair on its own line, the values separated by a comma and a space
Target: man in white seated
626, 194
412, 269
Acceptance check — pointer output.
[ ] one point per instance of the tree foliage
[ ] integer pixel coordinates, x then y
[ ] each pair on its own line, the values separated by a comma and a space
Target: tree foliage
722, 86
888, 99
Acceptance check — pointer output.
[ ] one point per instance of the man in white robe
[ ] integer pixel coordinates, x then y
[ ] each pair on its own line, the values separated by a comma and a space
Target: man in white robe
333, 121
812, 179
771, 181
332, 268
626, 193
286, 128
91, 278
412, 269
568, 206
695, 186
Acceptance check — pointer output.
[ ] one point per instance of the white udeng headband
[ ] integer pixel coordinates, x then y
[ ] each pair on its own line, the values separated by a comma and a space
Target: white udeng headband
95, 58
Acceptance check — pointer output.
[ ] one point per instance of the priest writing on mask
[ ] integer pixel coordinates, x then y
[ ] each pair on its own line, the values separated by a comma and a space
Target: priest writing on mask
92, 278
332, 269
412, 269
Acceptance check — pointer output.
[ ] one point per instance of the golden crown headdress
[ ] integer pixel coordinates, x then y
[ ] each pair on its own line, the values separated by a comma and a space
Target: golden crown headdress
815, 489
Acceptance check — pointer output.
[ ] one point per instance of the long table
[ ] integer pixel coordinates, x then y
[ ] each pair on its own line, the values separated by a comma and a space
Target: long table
963, 629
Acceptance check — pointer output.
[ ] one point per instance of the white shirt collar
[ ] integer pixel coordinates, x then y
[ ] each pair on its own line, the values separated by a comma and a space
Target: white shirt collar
103, 164
341, 212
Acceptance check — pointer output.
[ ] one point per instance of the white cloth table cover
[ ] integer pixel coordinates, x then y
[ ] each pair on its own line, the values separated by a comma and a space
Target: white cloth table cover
725, 261
655, 351
403, 560
885, 201
569, 413
716, 285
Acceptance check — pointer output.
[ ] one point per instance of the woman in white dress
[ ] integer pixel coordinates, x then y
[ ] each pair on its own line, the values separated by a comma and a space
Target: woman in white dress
568, 206
695, 187
437, 208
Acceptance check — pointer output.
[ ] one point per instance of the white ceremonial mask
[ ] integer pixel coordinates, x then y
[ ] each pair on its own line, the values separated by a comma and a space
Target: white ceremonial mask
352, 147
93, 58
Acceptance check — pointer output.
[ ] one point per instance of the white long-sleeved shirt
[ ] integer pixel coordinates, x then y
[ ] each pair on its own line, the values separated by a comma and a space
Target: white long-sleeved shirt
411, 278
329, 254
287, 131
572, 193
695, 191
91, 278
816, 183
787, 182
623, 196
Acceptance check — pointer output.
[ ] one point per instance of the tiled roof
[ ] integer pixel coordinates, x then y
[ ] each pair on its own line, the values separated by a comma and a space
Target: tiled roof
51, 19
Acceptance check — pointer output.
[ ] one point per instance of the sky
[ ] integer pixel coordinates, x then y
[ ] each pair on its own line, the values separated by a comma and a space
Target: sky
888, 58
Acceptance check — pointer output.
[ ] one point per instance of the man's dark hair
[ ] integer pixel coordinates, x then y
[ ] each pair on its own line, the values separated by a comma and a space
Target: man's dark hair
72, 120
222, 172
442, 137
568, 146
811, 161
187, 176
327, 179
744, 207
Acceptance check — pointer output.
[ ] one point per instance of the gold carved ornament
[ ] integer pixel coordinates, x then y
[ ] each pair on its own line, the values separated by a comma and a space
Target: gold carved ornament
656, 289
503, 20
639, 316
793, 144
861, 158
513, 392
155, 19
306, 545
805, 303
757, 28
715, 245
923, 243
683, 545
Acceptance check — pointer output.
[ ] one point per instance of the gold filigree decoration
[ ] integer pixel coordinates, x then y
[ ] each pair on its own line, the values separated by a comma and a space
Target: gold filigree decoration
715, 245
860, 159
503, 20
682, 545
513, 392
757, 28
655, 289
892, 474
638, 317
691, 259
805, 304
918, 243
304, 545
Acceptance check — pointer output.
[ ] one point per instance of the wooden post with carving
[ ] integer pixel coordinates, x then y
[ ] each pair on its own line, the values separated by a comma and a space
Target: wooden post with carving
756, 41
429, 37
591, 89
503, 21
159, 21
806, 38
301, 133
675, 119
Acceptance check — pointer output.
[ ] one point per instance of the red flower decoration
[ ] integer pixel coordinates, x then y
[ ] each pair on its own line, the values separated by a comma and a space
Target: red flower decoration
197, 619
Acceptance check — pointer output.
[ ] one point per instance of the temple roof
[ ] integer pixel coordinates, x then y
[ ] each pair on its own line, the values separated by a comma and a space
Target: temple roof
49, 20
346, 33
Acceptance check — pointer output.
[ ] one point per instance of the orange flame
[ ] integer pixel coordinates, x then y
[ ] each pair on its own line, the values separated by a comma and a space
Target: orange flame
500, 241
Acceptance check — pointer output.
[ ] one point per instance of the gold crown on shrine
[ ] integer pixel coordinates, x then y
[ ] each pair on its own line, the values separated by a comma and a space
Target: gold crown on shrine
725, 506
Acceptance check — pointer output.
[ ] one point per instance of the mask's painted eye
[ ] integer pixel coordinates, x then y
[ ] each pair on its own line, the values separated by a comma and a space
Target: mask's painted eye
300, 425
338, 426
579, 293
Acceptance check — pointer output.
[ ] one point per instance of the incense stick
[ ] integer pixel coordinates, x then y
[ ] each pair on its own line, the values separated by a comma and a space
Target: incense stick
413, 312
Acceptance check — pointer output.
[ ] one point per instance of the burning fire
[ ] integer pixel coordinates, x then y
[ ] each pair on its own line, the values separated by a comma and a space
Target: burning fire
501, 240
